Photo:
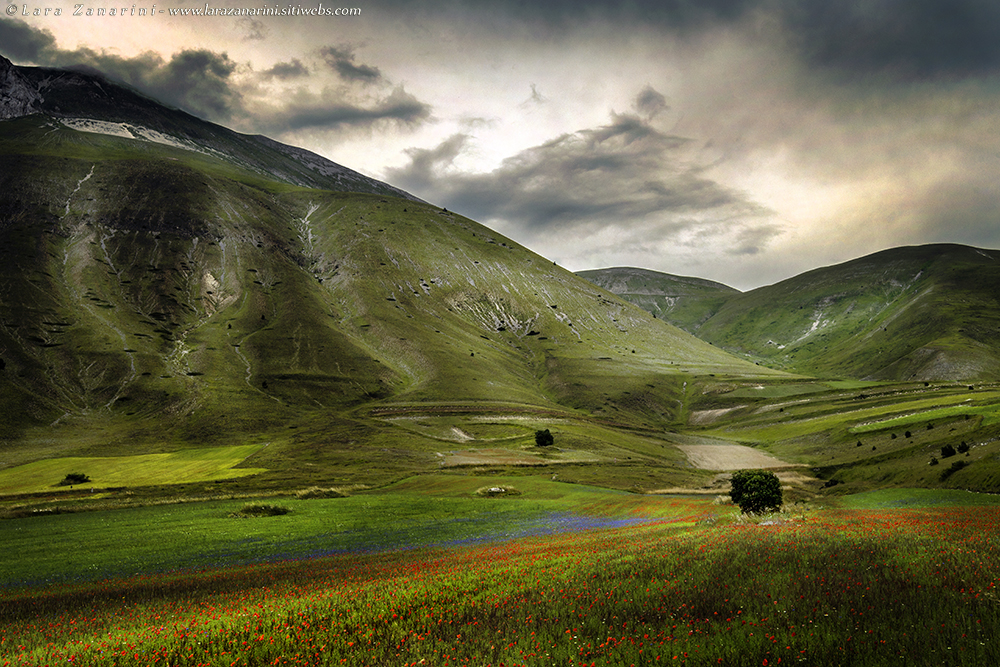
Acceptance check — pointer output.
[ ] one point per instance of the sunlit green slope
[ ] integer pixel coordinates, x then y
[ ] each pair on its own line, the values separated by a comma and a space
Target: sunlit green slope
152, 295
923, 312
913, 313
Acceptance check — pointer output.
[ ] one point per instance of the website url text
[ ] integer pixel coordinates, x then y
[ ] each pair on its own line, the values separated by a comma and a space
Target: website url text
207, 10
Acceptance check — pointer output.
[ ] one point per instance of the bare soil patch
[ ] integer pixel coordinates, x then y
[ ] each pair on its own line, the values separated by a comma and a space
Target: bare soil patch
729, 457
705, 417
512, 457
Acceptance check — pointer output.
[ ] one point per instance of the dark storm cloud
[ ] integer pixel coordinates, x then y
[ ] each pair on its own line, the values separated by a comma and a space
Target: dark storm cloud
197, 80
556, 15
204, 82
626, 173
905, 39
20, 42
915, 39
341, 60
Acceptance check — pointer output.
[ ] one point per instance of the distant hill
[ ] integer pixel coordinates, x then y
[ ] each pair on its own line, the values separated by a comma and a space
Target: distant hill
684, 302
914, 313
925, 312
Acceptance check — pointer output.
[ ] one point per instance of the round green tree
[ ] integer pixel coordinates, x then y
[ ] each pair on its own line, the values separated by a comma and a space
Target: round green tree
755, 491
544, 438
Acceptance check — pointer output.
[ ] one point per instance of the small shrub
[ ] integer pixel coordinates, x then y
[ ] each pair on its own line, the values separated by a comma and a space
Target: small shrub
74, 478
955, 467
946, 451
963, 448
908, 435
257, 510
544, 438
755, 491
934, 461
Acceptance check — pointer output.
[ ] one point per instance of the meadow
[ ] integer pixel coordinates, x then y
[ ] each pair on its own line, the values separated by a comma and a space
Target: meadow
611, 579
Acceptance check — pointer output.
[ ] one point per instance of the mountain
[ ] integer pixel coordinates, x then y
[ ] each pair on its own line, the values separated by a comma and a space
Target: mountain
90, 103
927, 313
684, 302
166, 283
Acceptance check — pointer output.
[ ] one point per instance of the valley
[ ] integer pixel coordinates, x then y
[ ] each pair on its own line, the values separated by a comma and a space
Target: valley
257, 408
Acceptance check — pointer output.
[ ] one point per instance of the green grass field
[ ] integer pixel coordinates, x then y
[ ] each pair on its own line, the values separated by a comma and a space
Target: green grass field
428, 573
183, 467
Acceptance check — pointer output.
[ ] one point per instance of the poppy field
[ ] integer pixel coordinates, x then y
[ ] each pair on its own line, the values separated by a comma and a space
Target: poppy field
681, 581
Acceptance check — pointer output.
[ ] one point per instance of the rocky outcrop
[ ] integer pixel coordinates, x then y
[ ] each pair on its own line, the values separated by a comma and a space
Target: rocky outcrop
17, 96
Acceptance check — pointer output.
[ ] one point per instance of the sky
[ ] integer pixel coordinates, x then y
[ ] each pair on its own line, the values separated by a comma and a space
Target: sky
743, 141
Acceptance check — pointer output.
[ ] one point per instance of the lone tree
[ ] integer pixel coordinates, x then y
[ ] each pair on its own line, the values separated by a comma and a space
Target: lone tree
755, 491
544, 438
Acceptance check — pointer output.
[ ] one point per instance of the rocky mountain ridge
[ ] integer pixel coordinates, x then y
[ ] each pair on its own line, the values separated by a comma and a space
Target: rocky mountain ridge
17, 96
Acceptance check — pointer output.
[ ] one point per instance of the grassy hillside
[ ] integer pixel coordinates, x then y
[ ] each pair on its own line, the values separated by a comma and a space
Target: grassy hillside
682, 301
859, 436
916, 313
156, 298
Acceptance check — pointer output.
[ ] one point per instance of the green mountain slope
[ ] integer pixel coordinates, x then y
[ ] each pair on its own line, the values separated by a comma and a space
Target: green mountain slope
155, 295
925, 313
684, 302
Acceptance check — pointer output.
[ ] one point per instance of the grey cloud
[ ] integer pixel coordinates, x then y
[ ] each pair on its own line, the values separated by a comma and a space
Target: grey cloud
399, 106
197, 80
624, 174
21, 42
649, 102
958, 210
341, 60
427, 163
290, 70
753, 239
558, 15
905, 40
205, 83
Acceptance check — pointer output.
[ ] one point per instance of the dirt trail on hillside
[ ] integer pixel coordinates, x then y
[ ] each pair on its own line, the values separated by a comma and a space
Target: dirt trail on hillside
729, 457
